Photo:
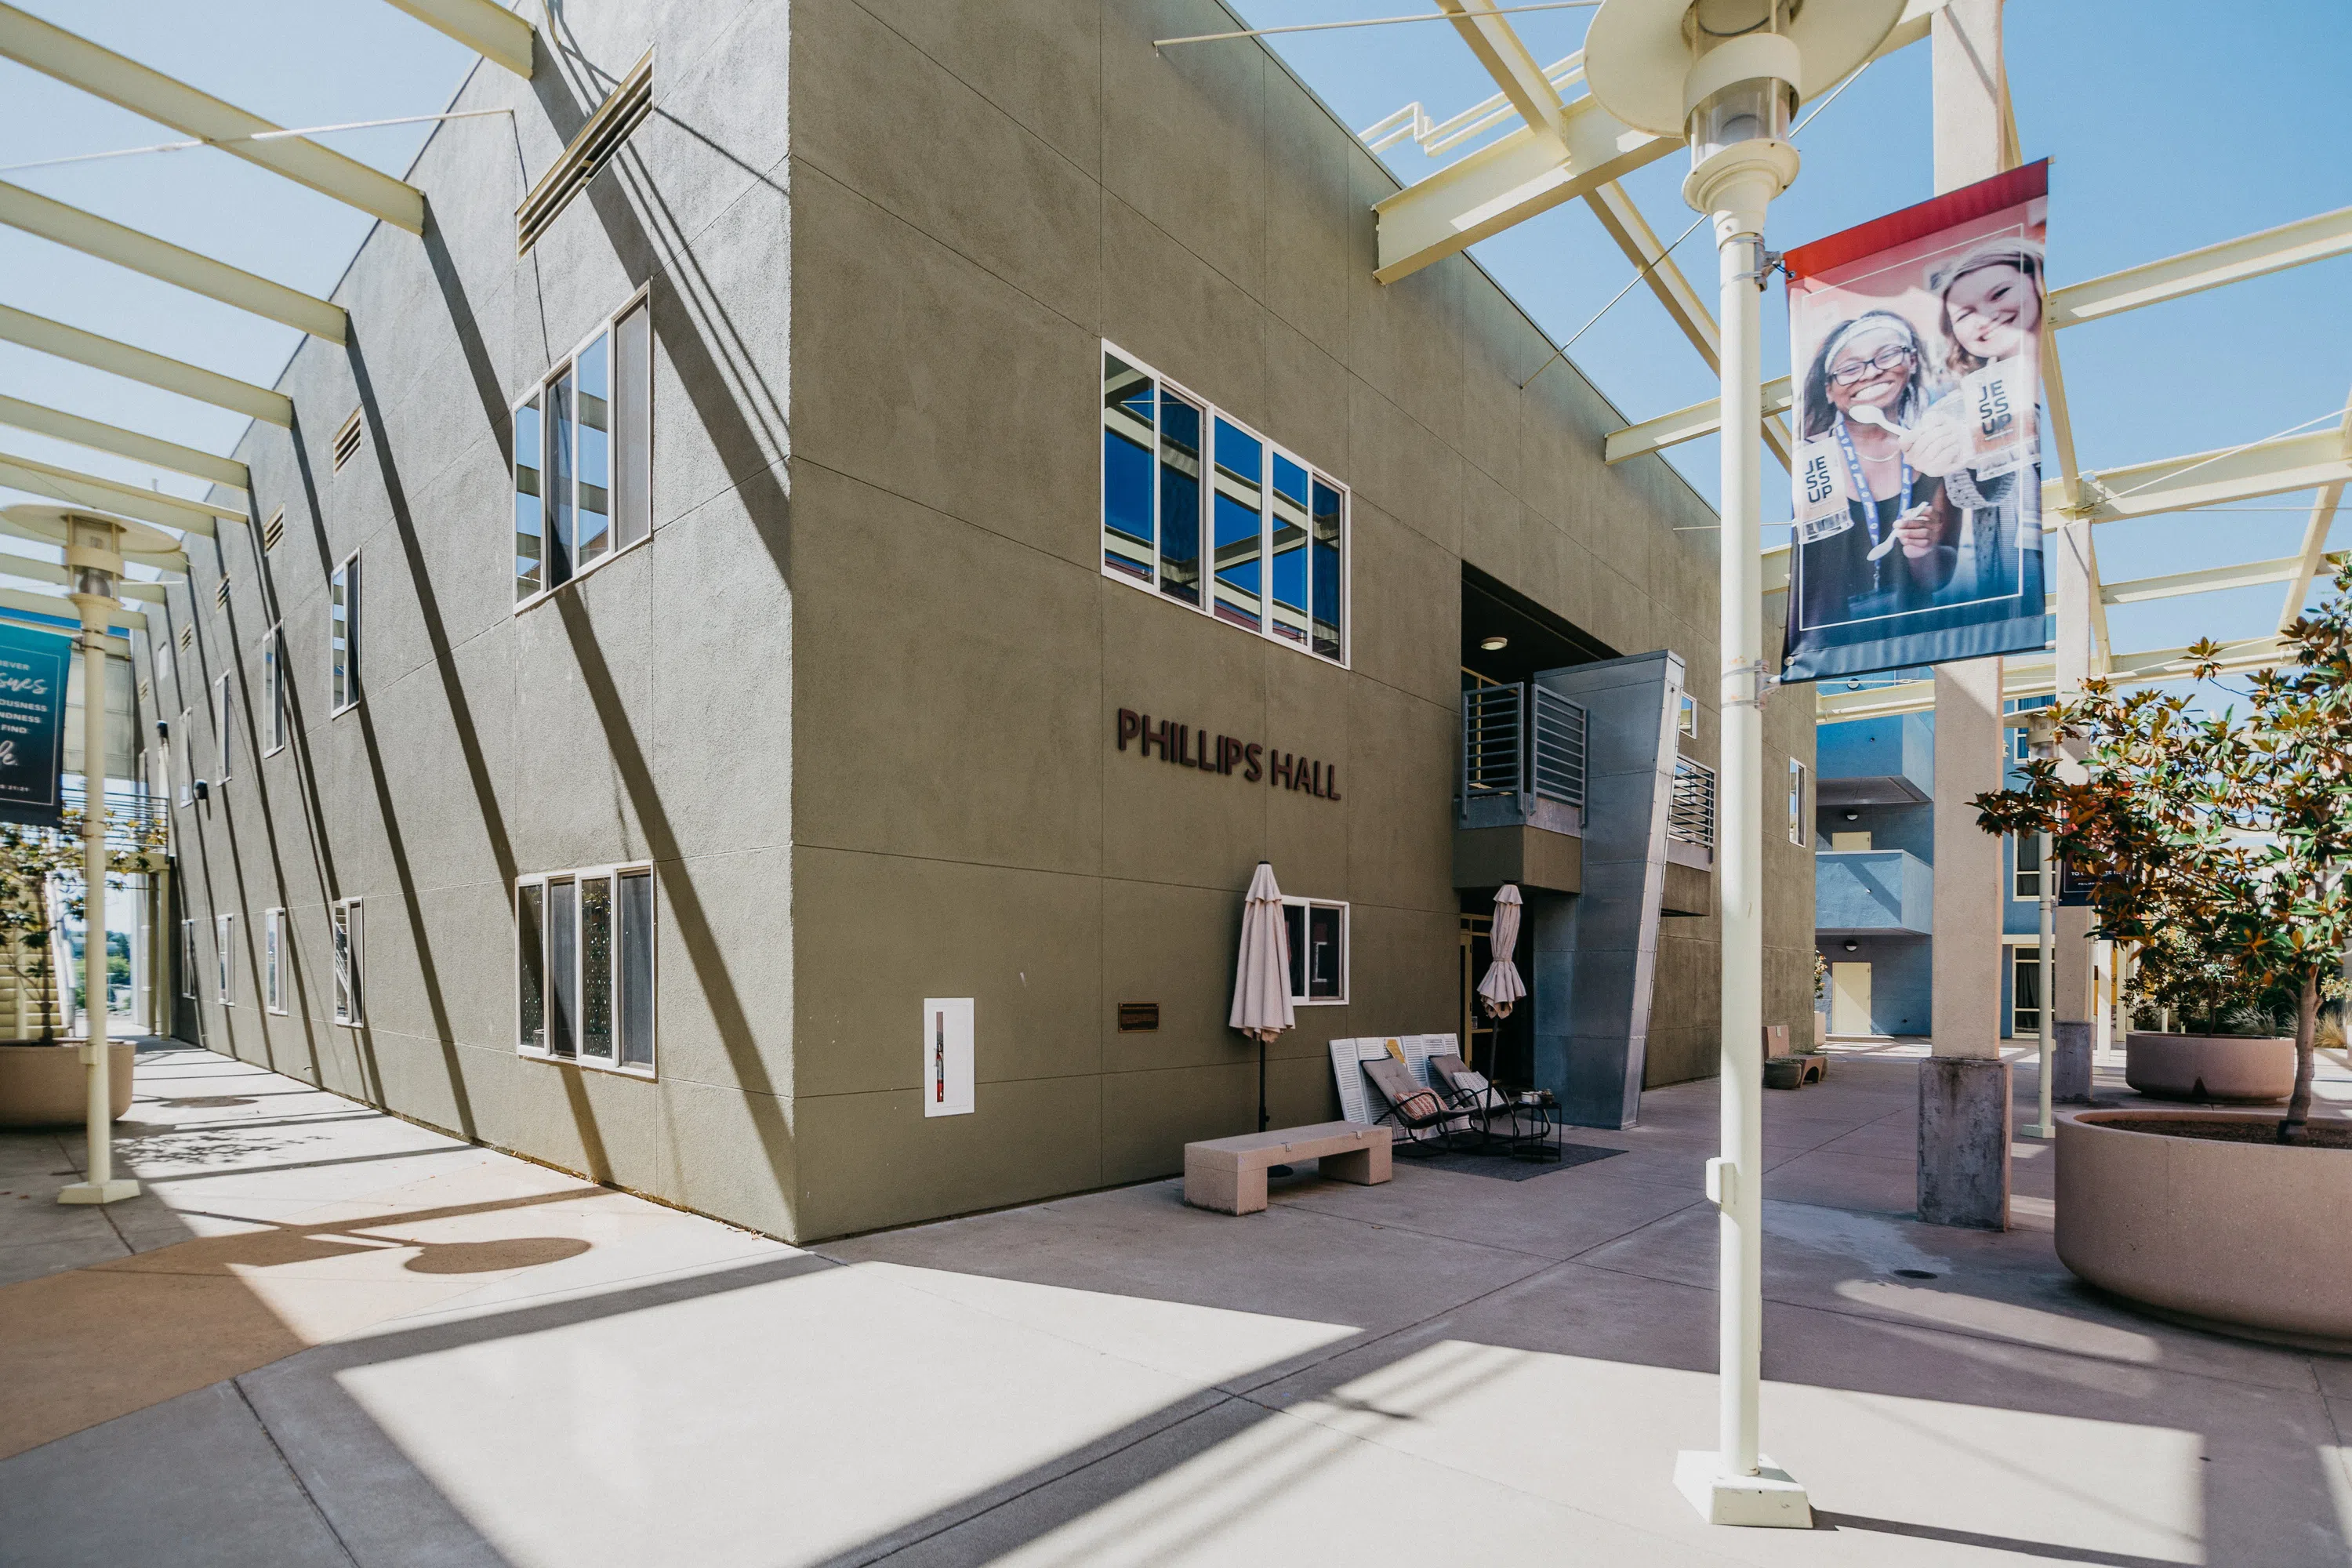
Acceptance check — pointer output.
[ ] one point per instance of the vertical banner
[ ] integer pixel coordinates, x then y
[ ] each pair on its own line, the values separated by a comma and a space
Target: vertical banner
33, 670
1914, 341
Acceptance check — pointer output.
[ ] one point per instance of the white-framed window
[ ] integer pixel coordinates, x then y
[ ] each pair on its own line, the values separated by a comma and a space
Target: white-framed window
1317, 929
585, 966
2025, 884
273, 692
350, 955
224, 726
2024, 991
273, 959
583, 456
343, 636
1800, 816
1203, 510
188, 959
1688, 720
224, 941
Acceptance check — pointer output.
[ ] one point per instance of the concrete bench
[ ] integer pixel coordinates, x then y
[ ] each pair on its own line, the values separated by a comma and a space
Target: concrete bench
1228, 1175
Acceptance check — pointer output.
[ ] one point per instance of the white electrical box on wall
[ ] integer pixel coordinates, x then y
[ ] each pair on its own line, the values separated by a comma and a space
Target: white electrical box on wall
946, 1056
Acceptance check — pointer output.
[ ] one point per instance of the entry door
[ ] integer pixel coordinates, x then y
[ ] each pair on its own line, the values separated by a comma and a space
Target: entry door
1850, 999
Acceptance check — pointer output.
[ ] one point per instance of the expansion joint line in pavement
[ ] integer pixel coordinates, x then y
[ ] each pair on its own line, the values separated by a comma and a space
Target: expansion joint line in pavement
292, 1474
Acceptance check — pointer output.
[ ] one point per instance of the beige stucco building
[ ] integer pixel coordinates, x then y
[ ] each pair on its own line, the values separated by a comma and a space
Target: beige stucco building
689, 630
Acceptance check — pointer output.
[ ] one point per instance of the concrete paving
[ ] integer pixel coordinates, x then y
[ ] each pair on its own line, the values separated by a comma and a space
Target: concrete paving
328, 1336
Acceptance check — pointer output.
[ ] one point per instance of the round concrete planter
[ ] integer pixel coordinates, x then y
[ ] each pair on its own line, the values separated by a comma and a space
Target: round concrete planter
42, 1085
2241, 1236
2241, 1069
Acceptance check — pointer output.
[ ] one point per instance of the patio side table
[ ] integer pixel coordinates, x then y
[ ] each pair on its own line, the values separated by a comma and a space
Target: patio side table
1541, 1141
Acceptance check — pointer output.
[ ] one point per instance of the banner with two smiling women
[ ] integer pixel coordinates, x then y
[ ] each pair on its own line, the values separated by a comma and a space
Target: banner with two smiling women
1918, 467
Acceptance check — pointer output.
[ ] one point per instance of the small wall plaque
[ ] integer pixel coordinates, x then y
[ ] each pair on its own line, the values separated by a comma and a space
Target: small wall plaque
1139, 1017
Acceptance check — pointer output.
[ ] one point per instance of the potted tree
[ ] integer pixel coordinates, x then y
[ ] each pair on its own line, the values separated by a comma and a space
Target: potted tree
41, 1074
2216, 844
2223, 1041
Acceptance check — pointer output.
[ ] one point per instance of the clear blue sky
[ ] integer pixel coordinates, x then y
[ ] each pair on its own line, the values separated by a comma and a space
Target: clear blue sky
2170, 126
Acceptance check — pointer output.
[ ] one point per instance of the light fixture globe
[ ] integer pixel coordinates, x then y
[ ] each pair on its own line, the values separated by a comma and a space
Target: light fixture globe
1727, 76
1638, 53
135, 542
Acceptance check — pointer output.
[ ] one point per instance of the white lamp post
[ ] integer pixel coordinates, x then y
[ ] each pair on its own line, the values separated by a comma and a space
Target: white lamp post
2042, 737
1727, 75
94, 547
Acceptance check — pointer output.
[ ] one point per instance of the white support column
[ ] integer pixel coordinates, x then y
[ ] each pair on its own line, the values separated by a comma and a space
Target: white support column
1964, 1100
91, 550
1739, 874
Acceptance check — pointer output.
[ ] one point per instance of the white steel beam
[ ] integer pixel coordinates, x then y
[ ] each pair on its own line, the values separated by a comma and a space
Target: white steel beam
1622, 218
107, 495
2193, 271
1688, 424
160, 258
490, 30
2039, 680
2308, 561
1526, 173
2209, 479
148, 93
2204, 580
90, 433
139, 365
2062, 419
1506, 59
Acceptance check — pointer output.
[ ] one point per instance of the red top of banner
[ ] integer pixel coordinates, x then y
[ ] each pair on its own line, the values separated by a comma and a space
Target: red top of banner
1986, 197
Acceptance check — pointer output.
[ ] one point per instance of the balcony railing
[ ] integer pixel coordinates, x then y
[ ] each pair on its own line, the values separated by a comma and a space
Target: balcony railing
1692, 817
1521, 744
135, 818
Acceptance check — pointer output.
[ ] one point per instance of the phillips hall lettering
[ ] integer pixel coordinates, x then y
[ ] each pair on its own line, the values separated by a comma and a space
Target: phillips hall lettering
1190, 748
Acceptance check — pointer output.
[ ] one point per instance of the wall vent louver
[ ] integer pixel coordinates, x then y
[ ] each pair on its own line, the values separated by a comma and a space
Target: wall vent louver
585, 158
188, 635
274, 530
347, 440
220, 594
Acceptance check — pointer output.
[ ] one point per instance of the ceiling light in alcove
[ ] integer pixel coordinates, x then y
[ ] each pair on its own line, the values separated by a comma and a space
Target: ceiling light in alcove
1494, 645
1851, 945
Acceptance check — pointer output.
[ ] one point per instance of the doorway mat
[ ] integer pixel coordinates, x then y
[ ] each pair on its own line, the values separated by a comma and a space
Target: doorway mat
1503, 1167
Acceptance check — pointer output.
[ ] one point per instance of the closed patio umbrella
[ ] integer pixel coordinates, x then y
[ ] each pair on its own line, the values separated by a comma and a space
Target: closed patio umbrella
1502, 985
1262, 972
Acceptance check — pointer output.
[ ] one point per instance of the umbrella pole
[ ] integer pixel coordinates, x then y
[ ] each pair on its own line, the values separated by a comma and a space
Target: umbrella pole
1261, 1085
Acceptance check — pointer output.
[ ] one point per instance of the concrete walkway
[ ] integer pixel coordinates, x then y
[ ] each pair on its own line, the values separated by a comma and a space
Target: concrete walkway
328, 1336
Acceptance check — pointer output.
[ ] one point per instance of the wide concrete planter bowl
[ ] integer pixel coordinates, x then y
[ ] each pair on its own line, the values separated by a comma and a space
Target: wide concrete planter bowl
2239, 1069
2244, 1236
43, 1085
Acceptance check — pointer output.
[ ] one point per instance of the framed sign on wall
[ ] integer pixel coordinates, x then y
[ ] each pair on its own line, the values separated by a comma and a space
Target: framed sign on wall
946, 1056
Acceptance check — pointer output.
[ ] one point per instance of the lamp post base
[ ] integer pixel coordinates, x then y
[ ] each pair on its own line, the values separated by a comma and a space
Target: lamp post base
99, 1192
1768, 1499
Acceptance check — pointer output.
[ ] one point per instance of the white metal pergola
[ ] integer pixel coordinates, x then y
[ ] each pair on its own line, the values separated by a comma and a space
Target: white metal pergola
108, 517
1566, 149
498, 34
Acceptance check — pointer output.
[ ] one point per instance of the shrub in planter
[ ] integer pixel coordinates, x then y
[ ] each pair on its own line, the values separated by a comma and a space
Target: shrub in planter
2217, 845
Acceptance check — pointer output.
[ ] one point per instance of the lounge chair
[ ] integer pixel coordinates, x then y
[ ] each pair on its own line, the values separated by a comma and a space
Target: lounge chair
1475, 1096
1420, 1114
